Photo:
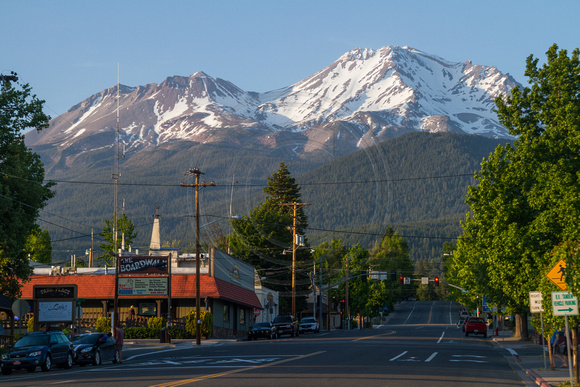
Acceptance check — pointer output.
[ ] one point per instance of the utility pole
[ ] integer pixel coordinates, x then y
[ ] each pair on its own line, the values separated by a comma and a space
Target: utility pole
347, 311
296, 206
196, 172
116, 176
9, 78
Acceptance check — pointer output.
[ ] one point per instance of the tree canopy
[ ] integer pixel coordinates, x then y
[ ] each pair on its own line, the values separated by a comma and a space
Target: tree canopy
23, 191
263, 238
125, 229
526, 201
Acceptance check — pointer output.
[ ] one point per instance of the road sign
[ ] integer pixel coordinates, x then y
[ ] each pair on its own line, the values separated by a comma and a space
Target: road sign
564, 304
558, 274
485, 308
424, 280
256, 312
20, 307
407, 280
536, 302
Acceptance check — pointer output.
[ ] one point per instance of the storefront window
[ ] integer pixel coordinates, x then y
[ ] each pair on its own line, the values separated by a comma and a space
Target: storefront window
226, 313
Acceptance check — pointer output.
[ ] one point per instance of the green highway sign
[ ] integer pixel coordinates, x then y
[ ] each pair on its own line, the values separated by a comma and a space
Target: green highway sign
564, 304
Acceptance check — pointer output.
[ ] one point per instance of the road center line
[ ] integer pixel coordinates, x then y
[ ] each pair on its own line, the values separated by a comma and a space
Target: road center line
410, 313
212, 376
441, 338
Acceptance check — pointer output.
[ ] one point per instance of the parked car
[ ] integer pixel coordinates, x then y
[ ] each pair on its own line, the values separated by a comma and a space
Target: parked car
286, 325
38, 349
262, 329
94, 348
475, 325
309, 324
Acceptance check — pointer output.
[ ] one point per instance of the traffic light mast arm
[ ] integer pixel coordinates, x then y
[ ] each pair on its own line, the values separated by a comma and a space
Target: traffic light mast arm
455, 286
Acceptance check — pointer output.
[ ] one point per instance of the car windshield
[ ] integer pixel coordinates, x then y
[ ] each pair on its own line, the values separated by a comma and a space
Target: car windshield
262, 325
32, 341
281, 319
87, 339
476, 320
308, 320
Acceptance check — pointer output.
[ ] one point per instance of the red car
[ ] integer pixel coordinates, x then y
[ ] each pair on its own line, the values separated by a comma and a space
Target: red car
475, 325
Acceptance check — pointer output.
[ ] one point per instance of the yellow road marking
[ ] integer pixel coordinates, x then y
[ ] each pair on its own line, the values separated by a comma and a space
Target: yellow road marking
213, 376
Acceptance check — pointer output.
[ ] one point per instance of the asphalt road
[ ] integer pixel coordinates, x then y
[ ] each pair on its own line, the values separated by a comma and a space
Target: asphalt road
420, 345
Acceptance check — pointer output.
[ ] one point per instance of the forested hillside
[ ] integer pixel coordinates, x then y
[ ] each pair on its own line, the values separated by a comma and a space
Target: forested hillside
415, 183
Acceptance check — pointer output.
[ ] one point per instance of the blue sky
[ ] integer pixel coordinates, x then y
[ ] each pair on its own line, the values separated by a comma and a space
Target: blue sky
69, 50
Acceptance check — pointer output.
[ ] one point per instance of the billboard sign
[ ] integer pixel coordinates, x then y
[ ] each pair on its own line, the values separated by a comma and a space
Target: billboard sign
143, 265
143, 286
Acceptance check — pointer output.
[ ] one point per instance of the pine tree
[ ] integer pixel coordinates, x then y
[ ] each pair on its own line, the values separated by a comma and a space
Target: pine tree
263, 239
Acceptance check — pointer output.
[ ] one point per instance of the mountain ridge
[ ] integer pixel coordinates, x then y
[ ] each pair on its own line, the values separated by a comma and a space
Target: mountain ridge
364, 97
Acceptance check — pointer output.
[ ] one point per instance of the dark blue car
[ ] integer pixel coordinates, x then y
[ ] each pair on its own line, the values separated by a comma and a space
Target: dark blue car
43, 349
94, 348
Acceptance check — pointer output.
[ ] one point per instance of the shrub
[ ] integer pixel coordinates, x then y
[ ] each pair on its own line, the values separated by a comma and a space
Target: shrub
206, 323
141, 333
156, 323
176, 332
103, 324
30, 325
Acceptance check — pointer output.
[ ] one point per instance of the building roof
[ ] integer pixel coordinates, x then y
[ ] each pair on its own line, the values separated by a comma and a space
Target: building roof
98, 286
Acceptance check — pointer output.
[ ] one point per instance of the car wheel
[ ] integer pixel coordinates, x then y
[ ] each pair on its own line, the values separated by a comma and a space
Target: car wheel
47, 364
30, 369
97, 359
249, 338
69, 361
466, 333
6, 371
116, 358
485, 335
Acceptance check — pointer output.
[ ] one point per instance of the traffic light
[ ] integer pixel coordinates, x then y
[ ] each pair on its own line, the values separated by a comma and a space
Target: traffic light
342, 306
436, 281
402, 279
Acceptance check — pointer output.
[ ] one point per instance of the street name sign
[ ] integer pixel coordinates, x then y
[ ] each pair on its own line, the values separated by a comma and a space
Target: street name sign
564, 304
558, 274
536, 302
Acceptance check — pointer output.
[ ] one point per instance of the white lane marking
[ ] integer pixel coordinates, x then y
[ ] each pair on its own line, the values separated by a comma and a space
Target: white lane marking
410, 313
63, 382
431, 357
396, 357
468, 361
441, 338
476, 356
514, 353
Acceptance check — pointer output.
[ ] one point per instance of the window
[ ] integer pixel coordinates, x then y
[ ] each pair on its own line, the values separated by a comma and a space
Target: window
226, 313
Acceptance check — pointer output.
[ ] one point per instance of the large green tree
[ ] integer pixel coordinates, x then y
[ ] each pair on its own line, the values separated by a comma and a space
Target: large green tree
263, 238
22, 189
125, 229
39, 247
527, 198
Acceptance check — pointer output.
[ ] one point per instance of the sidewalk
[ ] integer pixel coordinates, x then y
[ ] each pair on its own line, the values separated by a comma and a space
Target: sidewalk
174, 342
533, 365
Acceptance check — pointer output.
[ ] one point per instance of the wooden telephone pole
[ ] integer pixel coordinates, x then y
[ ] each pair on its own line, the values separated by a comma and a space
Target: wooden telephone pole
296, 206
196, 172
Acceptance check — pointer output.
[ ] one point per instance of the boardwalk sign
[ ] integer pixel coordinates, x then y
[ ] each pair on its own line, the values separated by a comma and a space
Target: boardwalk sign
143, 265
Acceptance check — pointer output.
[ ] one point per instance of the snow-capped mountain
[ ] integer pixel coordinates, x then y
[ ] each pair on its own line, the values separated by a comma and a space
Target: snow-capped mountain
363, 97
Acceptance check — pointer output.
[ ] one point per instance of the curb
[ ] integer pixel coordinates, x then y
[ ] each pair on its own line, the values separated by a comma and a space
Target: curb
539, 381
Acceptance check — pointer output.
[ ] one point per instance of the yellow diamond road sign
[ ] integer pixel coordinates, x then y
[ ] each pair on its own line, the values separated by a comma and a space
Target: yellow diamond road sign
558, 274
